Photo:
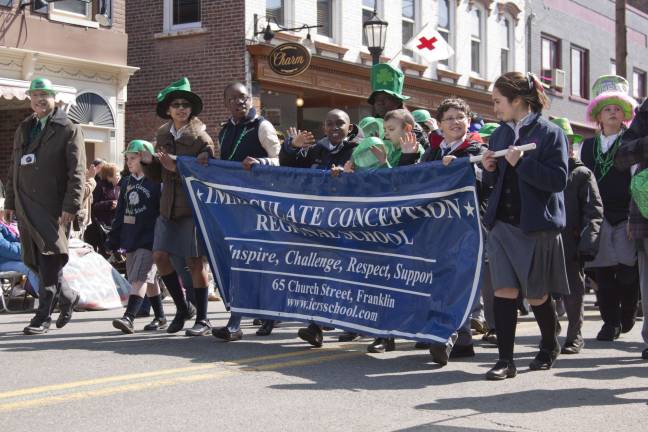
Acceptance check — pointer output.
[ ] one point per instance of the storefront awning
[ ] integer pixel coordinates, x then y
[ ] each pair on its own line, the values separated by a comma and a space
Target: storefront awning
15, 89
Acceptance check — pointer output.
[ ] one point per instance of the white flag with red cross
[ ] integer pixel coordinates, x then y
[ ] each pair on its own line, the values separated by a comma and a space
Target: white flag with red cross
430, 45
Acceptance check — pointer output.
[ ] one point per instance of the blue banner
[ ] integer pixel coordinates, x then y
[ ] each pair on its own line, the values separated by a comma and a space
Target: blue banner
386, 252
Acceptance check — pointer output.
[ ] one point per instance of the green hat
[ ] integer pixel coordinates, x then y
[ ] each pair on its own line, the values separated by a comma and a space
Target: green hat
41, 84
610, 90
421, 115
180, 89
487, 130
563, 123
372, 127
385, 78
362, 156
138, 145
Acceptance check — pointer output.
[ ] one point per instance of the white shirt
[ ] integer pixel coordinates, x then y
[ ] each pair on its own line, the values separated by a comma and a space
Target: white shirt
177, 133
607, 141
448, 148
519, 125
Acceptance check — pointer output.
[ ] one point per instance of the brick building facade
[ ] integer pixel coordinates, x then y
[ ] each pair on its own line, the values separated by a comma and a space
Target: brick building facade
81, 47
210, 55
213, 43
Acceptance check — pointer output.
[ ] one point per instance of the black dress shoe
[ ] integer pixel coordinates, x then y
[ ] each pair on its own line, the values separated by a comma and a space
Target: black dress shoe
348, 337
627, 323
608, 333
200, 328
380, 345
490, 337
66, 313
644, 354
225, 334
266, 328
439, 354
503, 369
179, 319
573, 346
460, 351
422, 345
124, 324
156, 324
544, 359
37, 327
311, 334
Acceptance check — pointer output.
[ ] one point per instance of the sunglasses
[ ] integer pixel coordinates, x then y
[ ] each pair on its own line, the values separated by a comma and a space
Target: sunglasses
178, 105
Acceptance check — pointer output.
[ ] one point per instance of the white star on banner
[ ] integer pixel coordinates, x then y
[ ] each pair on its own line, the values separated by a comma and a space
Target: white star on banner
470, 210
199, 195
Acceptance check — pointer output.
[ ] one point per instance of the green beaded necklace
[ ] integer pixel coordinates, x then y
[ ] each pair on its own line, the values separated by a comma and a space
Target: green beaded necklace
604, 161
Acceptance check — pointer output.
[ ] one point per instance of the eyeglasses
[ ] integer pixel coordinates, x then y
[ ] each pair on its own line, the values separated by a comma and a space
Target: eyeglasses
459, 119
239, 99
178, 105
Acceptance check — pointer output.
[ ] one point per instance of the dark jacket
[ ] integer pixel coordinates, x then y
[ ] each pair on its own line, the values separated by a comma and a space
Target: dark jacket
634, 150
238, 140
584, 210
614, 187
102, 200
541, 173
320, 155
39, 192
194, 141
138, 208
472, 146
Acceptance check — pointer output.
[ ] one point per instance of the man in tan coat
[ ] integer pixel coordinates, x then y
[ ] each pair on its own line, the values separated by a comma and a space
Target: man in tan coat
45, 190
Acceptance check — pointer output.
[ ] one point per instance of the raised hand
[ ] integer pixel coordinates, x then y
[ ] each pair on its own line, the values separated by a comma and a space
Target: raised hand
379, 153
301, 139
409, 143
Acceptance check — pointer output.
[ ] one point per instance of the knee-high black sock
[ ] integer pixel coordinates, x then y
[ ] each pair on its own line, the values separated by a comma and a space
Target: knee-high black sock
505, 311
156, 304
201, 297
545, 316
134, 304
172, 284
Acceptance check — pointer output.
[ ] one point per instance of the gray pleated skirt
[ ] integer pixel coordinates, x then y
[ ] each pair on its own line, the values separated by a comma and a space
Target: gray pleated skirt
178, 237
533, 263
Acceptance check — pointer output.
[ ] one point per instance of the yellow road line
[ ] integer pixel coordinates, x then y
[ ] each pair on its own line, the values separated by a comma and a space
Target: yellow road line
105, 380
126, 388
108, 391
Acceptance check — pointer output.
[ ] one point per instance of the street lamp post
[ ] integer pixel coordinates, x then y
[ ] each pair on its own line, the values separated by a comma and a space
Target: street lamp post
375, 31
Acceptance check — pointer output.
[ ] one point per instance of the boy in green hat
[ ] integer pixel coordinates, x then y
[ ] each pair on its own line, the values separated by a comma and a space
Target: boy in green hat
386, 95
584, 212
133, 231
45, 189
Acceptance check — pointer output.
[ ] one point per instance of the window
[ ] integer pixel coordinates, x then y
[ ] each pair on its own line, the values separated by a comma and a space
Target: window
476, 31
7, 3
506, 42
408, 16
325, 17
367, 13
39, 6
181, 15
444, 23
550, 52
638, 84
275, 11
73, 6
579, 72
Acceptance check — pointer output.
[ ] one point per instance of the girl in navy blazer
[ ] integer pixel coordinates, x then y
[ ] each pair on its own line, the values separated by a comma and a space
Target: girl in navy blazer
525, 215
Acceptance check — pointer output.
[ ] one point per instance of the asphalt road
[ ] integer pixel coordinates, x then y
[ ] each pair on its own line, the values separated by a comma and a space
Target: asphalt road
88, 377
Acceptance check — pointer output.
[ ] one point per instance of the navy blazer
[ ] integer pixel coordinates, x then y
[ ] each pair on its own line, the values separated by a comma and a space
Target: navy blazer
542, 175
